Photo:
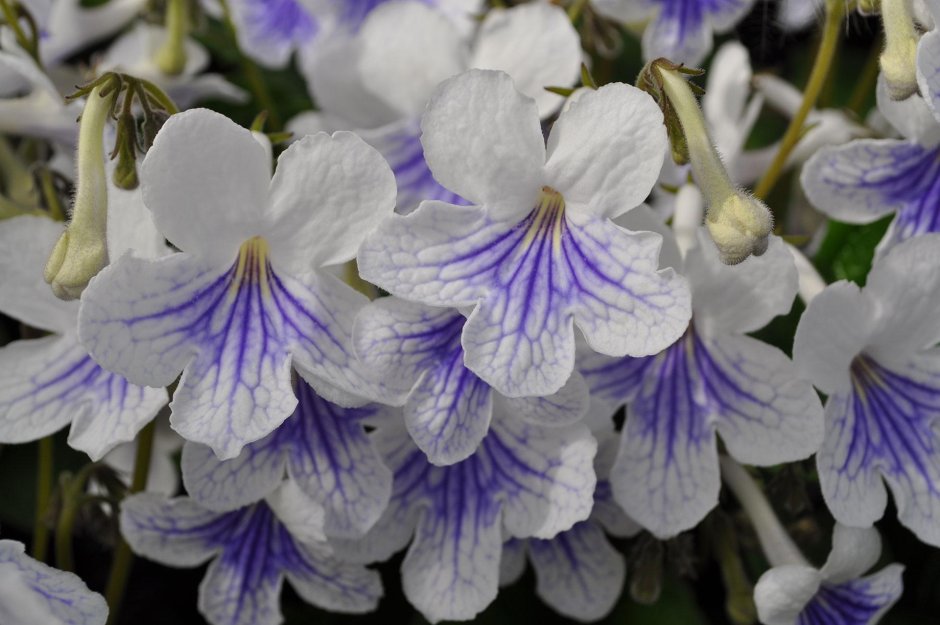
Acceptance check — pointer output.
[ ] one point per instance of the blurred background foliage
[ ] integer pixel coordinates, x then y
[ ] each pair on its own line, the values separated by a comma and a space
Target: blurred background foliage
700, 578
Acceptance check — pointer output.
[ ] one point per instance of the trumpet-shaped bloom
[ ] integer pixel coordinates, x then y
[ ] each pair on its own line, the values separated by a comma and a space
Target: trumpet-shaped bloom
252, 550
679, 30
537, 253
872, 352
245, 298
578, 572
383, 97
449, 408
866, 179
796, 594
322, 447
715, 379
47, 383
523, 481
32, 593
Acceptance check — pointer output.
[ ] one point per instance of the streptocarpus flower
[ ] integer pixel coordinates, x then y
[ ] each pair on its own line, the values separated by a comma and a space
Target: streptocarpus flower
49, 382
322, 448
866, 179
578, 572
523, 481
872, 351
245, 298
32, 593
714, 380
795, 594
448, 409
537, 253
382, 96
252, 550
679, 30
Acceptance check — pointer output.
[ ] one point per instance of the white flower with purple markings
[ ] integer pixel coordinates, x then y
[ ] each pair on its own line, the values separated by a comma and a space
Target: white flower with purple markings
537, 254
245, 299
715, 380
872, 351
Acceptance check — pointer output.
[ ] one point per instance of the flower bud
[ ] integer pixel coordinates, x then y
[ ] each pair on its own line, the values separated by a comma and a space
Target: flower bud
740, 227
898, 61
82, 250
171, 57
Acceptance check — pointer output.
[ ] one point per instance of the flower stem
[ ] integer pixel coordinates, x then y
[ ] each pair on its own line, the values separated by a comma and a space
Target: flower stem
73, 490
12, 19
123, 557
255, 80
835, 10
773, 538
574, 11
43, 493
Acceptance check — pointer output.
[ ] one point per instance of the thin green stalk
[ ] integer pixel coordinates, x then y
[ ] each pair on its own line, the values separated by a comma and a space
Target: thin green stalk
13, 21
123, 556
43, 493
835, 10
574, 11
255, 80
73, 491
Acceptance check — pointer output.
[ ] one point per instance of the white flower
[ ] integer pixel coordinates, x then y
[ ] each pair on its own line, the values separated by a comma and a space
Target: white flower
245, 298
872, 352
537, 253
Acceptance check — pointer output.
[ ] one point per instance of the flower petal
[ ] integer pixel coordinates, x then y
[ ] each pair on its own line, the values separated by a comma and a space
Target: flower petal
49, 382
224, 485
567, 406
408, 49
175, 532
854, 551
534, 43
205, 179
51, 596
324, 191
578, 572
782, 592
333, 585
835, 327
861, 601
885, 427
742, 298
482, 140
25, 244
269, 30
606, 150
767, 414
680, 32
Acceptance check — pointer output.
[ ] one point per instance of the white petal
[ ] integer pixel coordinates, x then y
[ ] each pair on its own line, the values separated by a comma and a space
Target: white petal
534, 43
224, 485
324, 195
605, 152
836, 326
231, 595
269, 30
72, 26
567, 406
782, 592
578, 572
51, 596
742, 298
682, 35
513, 561
47, 383
176, 532
331, 584
854, 551
482, 140
905, 286
25, 244
406, 50
205, 179
303, 517
912, 117
548, 475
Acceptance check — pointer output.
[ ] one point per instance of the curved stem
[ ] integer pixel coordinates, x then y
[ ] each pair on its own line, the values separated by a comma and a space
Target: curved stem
123, 556
774, 540
43, 493
835, 10
13, 21
72, 501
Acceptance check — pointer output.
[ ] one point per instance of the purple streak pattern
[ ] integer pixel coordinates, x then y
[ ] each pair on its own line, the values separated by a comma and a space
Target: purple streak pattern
885, 427
322, 447
854, 602
251, 551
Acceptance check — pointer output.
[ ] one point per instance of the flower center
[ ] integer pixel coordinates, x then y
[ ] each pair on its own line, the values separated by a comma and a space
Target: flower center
546, 221
252, 268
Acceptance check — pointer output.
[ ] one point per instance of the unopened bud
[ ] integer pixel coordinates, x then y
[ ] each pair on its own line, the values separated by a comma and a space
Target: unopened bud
898, 61
171, 57
740, 227
82, 250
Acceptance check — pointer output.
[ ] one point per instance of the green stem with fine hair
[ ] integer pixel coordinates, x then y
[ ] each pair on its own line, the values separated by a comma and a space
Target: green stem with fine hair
43, 493
835, 10
73, 491
123, 556
255, 80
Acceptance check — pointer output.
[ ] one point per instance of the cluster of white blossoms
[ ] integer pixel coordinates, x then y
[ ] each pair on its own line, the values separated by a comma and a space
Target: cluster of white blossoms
479, 309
